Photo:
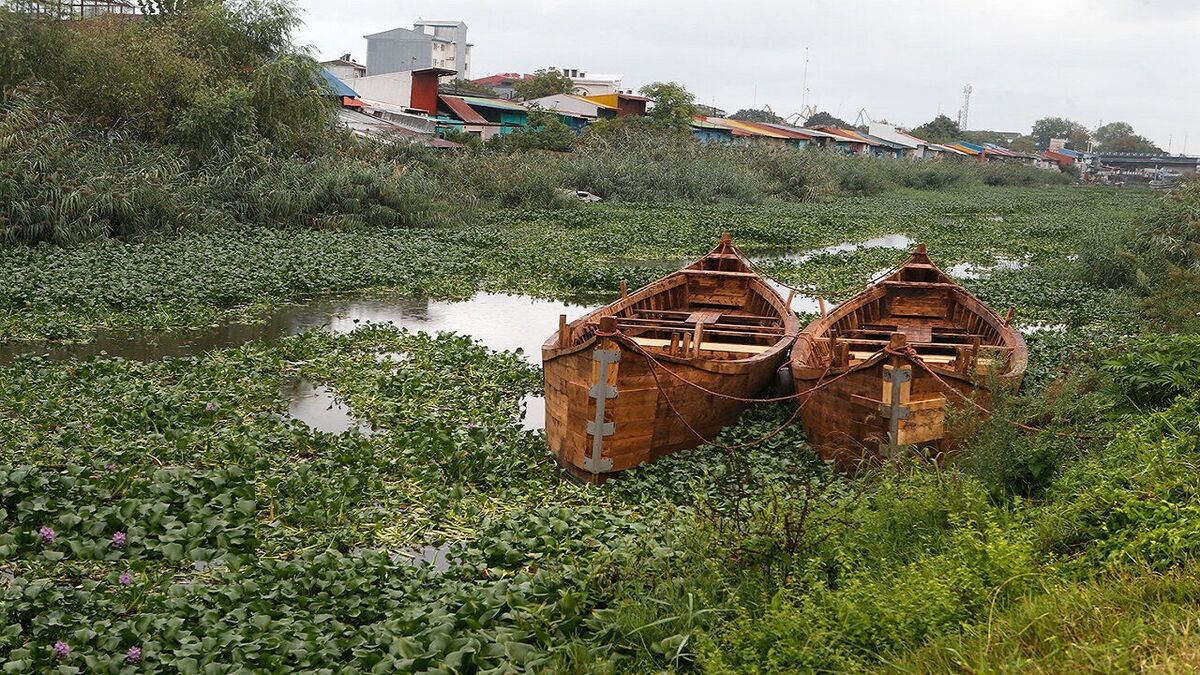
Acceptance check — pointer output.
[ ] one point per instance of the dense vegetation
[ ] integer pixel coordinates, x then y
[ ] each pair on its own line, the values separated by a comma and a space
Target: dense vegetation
171, 516
221, 120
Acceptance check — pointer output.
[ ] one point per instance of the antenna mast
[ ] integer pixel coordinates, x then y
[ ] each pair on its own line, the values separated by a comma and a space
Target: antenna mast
966, 107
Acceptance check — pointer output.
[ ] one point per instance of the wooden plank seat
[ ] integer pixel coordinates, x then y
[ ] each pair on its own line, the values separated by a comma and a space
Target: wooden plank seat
706, 345
932, 359
635, 322
726, 317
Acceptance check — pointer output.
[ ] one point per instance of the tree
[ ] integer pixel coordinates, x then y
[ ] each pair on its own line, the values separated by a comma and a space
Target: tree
1022, 144
752, 115
1076, 134
940, 129
674, 106
1120, 137
545, 82
824, 119
466, 87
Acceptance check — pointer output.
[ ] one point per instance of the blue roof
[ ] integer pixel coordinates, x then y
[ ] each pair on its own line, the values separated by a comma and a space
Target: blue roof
339, 88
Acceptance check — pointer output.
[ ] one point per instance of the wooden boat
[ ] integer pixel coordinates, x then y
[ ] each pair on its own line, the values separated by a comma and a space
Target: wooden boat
886, 359
715, 323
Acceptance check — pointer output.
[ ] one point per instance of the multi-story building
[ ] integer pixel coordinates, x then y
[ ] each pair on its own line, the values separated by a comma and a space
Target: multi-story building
593, 84
345, 68
428, 44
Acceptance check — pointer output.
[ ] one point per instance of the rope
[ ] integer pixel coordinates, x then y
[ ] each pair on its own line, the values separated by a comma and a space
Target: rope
656, 364
912, 355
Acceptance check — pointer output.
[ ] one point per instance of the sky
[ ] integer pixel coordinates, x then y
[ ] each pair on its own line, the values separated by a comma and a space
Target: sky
904, 61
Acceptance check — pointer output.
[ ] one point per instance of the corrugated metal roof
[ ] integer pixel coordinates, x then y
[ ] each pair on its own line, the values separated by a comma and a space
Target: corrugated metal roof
462, 110
339, 88
755, 129
497, 103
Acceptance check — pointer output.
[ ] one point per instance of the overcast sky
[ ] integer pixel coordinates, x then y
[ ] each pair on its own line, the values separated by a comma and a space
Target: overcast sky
904, 61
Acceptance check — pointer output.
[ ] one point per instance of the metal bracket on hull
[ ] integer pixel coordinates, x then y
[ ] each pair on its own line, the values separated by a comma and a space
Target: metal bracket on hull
598, 428
894, 411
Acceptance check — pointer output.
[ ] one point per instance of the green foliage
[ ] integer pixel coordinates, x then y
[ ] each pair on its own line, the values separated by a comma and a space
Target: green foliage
1076, 134
545, 132
461, 86
825, 119
673, 105
1120, 137
210, 76
544, 82
62, 185
1152, 372
940, 129
753, 115
165, 514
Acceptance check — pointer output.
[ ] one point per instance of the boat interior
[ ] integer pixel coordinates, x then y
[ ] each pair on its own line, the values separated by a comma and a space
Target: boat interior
933, 313
715, 308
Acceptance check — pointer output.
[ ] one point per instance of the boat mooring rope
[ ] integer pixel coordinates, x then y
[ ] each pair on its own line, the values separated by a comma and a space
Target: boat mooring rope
655, 365
912, 355
908, 352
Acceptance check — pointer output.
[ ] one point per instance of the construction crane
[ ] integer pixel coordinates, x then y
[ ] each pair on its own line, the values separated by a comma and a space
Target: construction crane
798, 118
863, 115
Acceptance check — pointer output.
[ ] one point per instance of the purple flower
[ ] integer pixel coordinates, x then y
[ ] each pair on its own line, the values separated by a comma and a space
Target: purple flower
134, 655
111, 467
210, 407
47, 535
126, 578
88, 426
61, 650
118, 540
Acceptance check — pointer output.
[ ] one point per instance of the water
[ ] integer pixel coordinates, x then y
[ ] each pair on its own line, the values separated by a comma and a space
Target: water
1042, 327
437, 557
533, 413
972, 271
318, 407
898, 242
499, 321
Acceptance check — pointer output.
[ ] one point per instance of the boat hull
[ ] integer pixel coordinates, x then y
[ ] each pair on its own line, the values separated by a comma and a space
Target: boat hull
848, 420
645, 413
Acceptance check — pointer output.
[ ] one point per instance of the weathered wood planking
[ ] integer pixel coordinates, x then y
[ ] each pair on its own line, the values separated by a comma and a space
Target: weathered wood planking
850, 418
715, 323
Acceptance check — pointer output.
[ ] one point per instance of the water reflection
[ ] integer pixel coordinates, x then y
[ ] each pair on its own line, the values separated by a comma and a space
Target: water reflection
533, 413
319, 408
892, 241
972, 271
437, 557
499, 321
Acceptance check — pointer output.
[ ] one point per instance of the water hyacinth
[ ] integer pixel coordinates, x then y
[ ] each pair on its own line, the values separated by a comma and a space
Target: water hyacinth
125, 579
61, 650
47, 535
118, 540
210, 407
134, 655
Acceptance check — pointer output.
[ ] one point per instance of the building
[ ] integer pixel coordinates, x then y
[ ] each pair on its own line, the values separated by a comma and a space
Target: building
429, 44
412, 89
624, 104
573, 105
482, 117
593, 84
345, 68
501, 83
912, 146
